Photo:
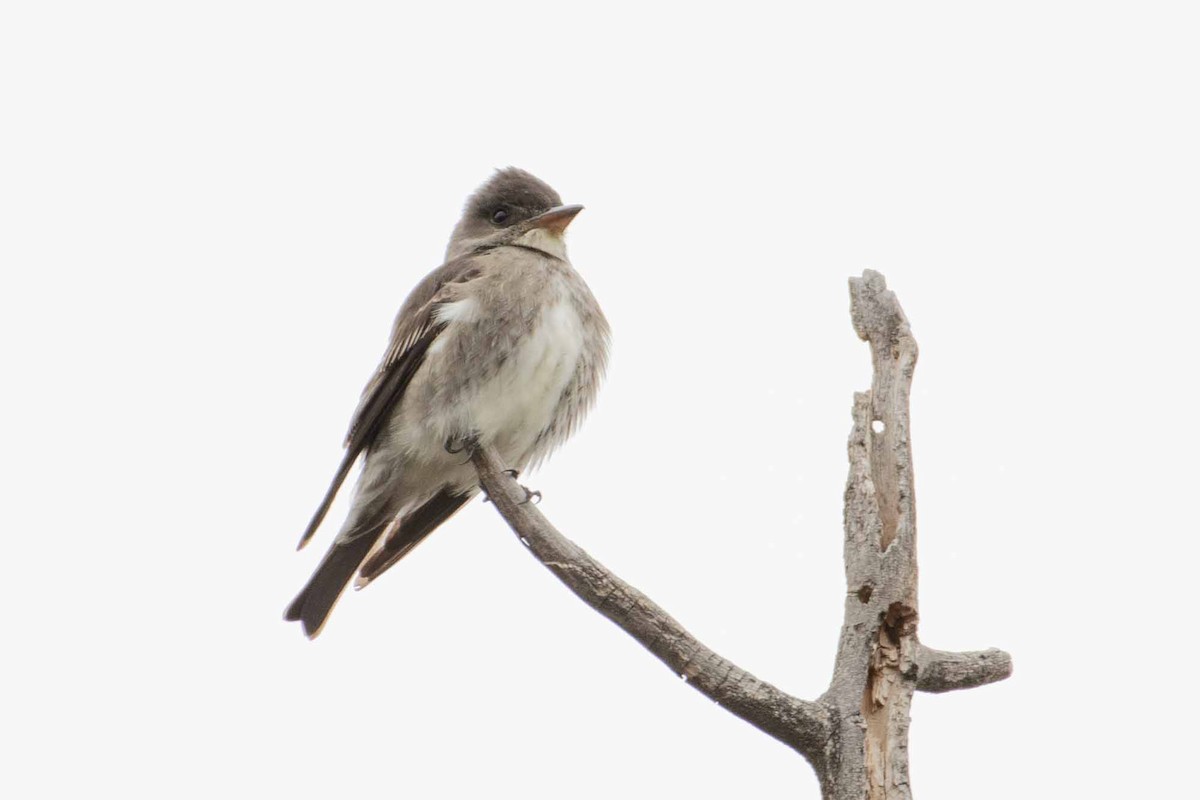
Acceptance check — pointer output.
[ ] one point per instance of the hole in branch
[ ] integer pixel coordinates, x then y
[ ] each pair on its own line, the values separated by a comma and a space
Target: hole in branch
864, 593
899, 620
877, 426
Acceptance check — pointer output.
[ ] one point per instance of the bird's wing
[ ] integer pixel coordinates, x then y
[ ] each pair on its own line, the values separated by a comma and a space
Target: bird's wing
415, 329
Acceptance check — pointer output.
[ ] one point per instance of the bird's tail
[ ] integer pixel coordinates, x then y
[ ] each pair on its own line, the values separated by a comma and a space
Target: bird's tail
312, 606
353, 549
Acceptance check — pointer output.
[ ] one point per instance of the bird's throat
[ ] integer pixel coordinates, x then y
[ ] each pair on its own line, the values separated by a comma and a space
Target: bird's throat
545, 241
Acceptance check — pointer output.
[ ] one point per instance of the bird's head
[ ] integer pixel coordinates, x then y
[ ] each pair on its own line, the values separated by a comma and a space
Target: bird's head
512, 207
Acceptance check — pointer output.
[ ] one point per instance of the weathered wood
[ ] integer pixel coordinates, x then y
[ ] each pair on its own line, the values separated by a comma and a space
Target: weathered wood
875, 670
856, 734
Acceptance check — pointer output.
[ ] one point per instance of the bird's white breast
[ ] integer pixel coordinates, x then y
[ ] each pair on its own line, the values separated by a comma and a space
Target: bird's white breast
520, 400
516, 401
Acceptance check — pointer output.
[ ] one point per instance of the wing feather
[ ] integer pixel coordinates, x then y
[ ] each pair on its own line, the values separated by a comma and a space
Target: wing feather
415, 329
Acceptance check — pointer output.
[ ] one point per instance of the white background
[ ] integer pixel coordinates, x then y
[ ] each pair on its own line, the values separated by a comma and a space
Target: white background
209, 213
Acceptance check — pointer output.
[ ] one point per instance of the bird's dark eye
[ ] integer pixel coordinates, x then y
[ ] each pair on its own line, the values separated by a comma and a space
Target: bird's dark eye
499, 216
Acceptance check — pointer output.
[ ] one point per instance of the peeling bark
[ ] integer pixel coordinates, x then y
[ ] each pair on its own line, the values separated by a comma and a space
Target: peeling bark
856, 734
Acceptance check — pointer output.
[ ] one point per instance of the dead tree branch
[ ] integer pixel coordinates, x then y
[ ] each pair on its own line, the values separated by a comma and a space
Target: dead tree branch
856, 735
800, 724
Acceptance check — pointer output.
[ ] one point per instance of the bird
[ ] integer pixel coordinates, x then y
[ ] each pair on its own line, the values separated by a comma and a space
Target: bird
503, 345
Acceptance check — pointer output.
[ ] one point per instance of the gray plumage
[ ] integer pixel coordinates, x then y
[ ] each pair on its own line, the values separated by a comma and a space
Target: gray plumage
504, 342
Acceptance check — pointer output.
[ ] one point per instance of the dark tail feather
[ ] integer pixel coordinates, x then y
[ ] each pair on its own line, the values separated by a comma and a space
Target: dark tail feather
316, 599
412, 529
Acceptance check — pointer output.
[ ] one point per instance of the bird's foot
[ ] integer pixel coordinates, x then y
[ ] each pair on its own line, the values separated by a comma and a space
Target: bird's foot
530, 494
462, 444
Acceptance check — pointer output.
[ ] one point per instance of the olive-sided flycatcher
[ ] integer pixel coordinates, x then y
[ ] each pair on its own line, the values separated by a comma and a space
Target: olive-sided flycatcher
502, 345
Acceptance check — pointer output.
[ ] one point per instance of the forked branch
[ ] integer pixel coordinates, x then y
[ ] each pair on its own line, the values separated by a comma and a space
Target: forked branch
856, 734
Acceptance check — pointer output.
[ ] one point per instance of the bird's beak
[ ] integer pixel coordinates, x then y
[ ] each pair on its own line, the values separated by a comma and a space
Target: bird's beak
556, 219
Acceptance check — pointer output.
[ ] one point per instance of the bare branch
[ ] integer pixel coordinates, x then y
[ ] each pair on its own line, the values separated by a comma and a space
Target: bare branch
943, 671
800, 724
856, 735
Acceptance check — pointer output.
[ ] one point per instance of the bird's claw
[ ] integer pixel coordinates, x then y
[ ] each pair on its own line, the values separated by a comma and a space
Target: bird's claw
530, 494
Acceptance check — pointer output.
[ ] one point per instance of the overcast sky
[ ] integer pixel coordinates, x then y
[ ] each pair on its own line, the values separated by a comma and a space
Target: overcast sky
209, 213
